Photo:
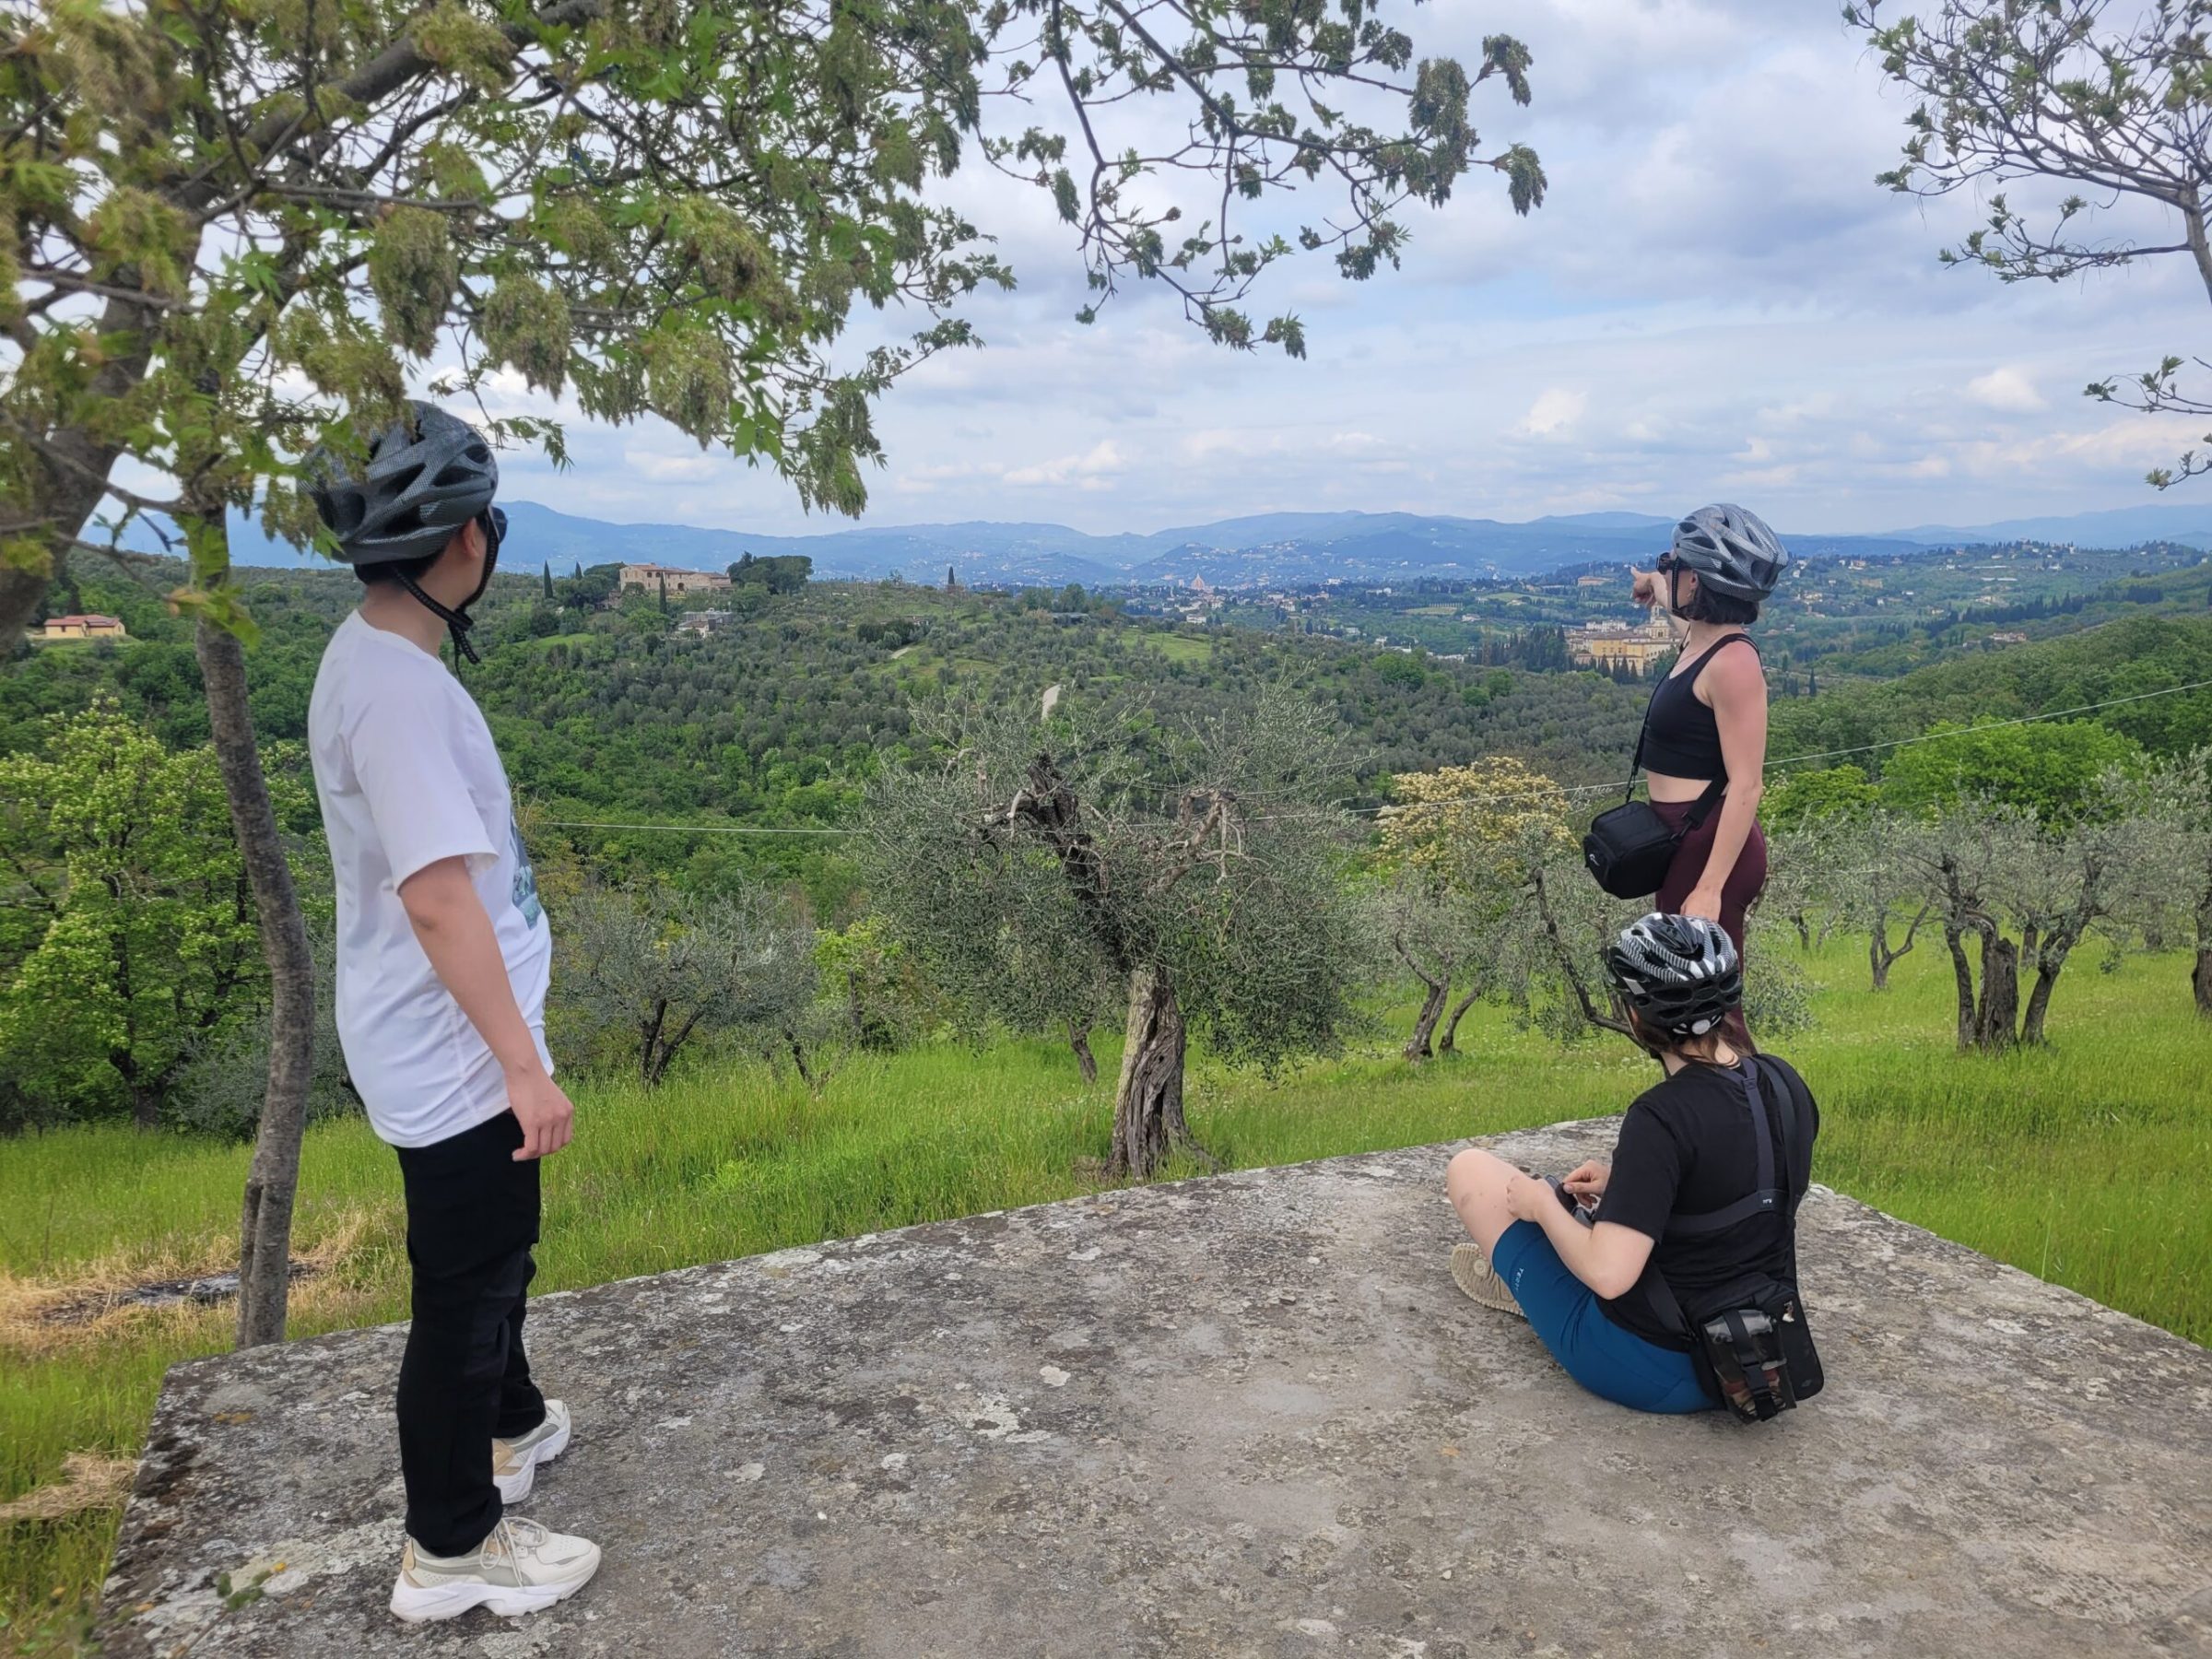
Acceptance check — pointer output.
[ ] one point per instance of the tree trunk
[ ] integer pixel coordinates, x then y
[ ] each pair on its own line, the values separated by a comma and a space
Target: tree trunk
1962, 972
2200, 979
1882, 956
2038, 1000
69, 474
1449, 1042
1419, 1046
265, 1230
1805, 933
1997, 1023
1147, 1103
1078, 1043
1568, 970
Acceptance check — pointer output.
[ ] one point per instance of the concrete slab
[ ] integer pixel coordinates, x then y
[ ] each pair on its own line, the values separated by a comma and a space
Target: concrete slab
1248, 1416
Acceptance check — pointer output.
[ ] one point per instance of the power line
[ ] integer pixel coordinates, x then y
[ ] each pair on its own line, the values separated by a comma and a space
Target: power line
1496, 798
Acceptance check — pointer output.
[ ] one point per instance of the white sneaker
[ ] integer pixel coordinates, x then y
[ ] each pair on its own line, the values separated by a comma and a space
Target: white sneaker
514, 1463
520, 1568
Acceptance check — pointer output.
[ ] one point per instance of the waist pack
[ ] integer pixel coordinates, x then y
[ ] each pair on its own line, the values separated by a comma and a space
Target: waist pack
1750, 1340
1629, 846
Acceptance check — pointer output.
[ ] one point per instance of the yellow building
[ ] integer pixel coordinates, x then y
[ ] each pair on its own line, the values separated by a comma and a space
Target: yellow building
1620, 645
651, 576
83, 628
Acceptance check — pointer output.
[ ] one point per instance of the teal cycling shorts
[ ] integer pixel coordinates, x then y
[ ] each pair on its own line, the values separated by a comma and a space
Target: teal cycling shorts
1612, 1364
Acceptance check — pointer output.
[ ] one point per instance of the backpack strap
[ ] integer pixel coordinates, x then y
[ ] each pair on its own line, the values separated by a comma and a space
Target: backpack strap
1778, 1192
1769, 1196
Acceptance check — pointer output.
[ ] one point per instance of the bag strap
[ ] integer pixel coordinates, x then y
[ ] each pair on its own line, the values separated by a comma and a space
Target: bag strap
1772, 1162
1775, 1191
1642, 731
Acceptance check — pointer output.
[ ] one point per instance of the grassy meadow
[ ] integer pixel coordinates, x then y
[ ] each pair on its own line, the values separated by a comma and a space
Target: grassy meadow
2082, 1163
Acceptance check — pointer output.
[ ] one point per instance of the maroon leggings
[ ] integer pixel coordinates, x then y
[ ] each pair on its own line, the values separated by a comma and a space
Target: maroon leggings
1736, 893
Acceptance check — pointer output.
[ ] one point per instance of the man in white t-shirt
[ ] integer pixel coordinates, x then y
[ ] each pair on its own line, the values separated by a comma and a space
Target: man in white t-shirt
443, 957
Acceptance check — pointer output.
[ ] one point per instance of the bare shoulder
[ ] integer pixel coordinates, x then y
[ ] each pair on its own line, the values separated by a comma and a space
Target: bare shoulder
1733, 676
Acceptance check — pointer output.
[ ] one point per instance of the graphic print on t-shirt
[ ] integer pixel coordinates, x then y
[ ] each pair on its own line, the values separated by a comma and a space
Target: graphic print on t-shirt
526, 879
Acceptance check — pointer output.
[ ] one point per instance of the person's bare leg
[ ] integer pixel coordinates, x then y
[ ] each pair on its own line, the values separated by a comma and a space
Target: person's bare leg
1476, 1183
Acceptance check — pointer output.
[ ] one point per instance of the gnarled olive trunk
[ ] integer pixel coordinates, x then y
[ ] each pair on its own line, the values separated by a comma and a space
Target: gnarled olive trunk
265, 1229
1078, 1043
1448, 1039
1996, 1020
1880, 956
2200, 977
1420, 1046
1148, 1104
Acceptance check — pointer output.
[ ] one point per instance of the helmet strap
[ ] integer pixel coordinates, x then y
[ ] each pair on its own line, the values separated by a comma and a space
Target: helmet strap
457, 623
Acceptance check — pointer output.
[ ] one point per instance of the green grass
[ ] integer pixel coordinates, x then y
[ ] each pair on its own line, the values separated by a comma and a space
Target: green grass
2081, 1163
1181, 648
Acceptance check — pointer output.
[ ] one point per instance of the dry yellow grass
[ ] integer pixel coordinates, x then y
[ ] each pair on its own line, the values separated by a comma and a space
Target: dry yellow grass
85, 1306
89, 1481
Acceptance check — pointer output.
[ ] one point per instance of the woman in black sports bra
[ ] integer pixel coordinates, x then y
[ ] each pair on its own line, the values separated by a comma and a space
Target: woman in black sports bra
1707, 721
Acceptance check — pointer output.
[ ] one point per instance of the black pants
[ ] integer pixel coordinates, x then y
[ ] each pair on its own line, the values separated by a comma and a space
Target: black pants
472, 1217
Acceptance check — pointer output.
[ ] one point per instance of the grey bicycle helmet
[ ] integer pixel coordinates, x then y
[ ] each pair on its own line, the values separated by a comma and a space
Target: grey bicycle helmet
1732, 550
426, 477
1679, 974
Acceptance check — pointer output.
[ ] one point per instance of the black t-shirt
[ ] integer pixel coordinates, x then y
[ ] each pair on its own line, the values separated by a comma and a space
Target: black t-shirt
1686, 1147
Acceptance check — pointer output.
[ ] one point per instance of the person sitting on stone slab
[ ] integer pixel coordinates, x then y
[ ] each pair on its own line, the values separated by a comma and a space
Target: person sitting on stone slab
1574, 1257
443, 957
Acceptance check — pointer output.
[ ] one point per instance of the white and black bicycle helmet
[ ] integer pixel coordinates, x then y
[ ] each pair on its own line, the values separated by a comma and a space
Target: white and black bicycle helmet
426, 478
1732, 550
1679, 974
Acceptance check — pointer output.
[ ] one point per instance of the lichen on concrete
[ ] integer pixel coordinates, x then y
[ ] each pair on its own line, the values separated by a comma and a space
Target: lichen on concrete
1247, 1416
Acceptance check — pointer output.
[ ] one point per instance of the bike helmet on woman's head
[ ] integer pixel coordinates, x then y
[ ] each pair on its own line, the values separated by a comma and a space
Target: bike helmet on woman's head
1679, 974
426, 477
1732, 550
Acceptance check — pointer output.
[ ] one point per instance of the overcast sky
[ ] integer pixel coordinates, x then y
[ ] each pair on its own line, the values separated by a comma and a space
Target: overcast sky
1716, 302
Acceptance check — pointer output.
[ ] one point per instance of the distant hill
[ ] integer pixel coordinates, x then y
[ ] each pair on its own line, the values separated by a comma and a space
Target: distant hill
1263, 550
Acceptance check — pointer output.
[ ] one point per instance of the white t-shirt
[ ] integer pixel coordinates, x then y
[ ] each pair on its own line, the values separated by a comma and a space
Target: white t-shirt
407, 775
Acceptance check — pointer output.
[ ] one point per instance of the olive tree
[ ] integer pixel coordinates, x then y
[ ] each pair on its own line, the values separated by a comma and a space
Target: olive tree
2110, 104
2182, 803
1453, 844
2022, 892
1200, 871
649, 975
234, 233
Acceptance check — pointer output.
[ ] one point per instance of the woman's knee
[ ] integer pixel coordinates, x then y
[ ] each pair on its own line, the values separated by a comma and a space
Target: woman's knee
1475, 1181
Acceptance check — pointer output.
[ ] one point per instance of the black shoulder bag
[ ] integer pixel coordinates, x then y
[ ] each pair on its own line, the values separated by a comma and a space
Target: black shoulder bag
1750, 1341
1629, 846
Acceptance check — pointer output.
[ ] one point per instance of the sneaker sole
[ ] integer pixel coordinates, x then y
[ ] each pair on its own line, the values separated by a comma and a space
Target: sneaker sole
513, 1488
1472, 1272
417, 1604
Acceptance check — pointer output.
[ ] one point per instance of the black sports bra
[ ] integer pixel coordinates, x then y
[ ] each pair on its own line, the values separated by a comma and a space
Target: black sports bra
1681, 736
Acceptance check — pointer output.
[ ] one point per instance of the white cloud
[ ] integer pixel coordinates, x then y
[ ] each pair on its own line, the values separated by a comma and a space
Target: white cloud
1091, 470
1716, 297
2007, 391
1555, 410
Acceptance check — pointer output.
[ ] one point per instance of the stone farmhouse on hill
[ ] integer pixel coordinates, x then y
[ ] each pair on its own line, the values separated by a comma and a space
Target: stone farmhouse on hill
83, 628
648, 578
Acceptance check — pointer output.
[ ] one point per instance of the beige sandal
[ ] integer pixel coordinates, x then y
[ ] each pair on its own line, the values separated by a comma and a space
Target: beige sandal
1472, 1272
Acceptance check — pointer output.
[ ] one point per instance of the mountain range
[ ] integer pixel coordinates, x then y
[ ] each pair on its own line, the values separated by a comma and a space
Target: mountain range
1266, 549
